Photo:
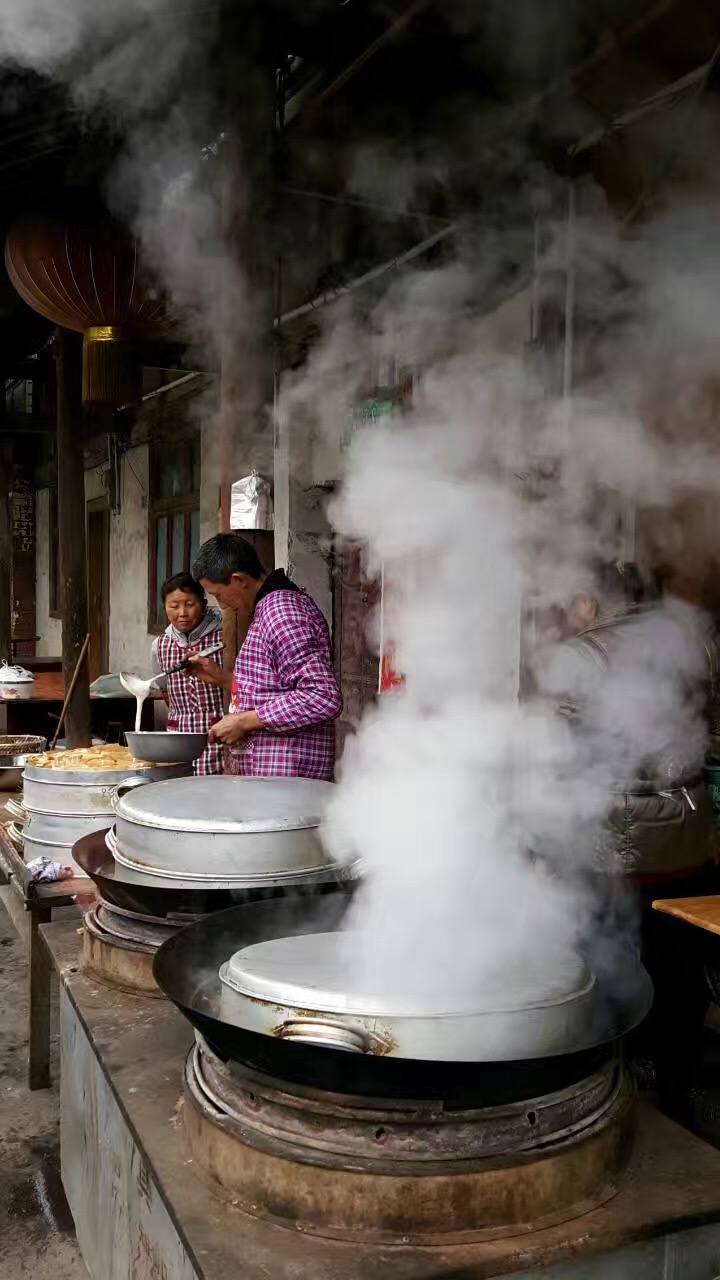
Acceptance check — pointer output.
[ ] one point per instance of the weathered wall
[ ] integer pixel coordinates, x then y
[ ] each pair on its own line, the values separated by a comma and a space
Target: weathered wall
312, 432
129, 638
48, 629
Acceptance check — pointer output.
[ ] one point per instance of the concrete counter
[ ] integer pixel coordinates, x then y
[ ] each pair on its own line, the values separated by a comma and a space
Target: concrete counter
141, 1211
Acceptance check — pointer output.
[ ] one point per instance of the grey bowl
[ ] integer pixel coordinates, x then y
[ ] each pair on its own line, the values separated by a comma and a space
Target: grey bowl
14, 751
166, 748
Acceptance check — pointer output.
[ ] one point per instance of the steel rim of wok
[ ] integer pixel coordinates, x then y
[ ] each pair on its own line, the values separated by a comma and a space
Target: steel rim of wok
93, 855
186, 969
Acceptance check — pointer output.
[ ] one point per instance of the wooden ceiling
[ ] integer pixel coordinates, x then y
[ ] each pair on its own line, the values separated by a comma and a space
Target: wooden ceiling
448, 78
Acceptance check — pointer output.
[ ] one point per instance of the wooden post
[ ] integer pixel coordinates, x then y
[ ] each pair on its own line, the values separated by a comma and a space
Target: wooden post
5, 550
71, 533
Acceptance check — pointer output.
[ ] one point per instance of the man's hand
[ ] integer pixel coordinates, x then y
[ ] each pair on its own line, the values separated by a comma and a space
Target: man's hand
209, 672
232, 729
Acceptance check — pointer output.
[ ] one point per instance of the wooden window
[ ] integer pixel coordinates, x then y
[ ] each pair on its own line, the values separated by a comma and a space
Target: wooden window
54, 556
174, 517
19, 396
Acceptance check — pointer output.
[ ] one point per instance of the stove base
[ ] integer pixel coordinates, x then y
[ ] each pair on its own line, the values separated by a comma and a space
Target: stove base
141, 1209
403, 1173
119, 947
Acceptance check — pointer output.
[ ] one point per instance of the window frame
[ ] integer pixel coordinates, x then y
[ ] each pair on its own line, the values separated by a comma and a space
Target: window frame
159, 508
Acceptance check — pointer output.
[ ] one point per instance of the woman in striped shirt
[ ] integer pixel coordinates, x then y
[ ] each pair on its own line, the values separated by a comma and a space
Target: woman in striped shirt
192, 627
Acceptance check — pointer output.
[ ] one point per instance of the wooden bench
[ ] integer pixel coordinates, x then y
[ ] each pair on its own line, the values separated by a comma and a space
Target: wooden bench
29, 906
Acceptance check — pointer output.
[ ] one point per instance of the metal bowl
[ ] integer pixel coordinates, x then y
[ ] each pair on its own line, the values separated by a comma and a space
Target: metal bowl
164, 747
11, 777
14, 751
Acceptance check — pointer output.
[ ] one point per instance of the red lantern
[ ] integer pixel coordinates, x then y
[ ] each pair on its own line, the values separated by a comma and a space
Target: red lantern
87, 278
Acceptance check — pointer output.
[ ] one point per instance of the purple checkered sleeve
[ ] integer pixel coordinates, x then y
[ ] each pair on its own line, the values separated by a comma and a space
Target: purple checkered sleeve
284, 672
299, 650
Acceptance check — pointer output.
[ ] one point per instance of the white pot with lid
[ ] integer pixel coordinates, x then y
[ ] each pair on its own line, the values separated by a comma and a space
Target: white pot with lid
298, 988
87, 791
220, 831
15, 682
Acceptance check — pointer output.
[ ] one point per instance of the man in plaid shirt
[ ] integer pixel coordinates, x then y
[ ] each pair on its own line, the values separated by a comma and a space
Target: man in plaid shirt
283, 693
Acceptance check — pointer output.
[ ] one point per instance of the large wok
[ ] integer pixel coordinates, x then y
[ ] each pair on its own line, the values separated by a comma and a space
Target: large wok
186, 968
93, 855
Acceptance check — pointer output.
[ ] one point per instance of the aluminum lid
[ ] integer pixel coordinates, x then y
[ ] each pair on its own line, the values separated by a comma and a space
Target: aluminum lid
312, 972
237, 806
15, 675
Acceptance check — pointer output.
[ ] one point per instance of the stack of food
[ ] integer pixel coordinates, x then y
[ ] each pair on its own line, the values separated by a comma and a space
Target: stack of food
69, 794
95, 759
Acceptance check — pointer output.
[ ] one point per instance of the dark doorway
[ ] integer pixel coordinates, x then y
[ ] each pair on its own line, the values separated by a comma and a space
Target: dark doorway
98, 540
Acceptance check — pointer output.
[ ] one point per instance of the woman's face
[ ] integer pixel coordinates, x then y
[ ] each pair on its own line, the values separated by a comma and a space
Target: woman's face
582, 612
183, 610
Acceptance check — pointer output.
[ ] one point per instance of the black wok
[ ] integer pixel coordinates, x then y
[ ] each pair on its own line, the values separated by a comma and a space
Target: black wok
93, 855
186, 971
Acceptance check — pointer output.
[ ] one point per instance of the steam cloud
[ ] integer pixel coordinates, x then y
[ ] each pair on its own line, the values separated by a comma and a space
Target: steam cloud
142, 68
451, 785
458, 794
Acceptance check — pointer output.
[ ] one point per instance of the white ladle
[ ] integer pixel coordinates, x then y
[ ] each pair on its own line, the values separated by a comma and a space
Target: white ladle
140, 689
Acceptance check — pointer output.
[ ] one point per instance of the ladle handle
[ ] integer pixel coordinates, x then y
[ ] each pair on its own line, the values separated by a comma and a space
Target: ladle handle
16, 810
16, 837
330, 1035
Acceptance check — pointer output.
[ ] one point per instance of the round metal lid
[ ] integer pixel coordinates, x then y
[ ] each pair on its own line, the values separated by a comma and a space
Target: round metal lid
311, 972
238, 806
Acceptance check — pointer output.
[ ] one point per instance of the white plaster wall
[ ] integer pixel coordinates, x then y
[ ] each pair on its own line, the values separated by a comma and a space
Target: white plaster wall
311, 435
48, 629
130, 640
209, 484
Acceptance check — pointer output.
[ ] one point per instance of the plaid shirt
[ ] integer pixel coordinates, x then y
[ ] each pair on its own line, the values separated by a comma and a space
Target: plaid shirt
284, 672
192, 706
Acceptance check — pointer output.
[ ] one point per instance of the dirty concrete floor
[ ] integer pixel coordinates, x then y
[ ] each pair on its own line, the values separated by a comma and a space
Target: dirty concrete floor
37, 1237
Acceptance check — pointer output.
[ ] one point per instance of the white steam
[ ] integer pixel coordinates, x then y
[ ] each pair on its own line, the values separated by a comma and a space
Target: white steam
459, 795
143, 68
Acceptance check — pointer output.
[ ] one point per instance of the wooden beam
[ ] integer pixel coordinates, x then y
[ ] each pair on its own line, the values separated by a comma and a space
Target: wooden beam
71, 533
5, 551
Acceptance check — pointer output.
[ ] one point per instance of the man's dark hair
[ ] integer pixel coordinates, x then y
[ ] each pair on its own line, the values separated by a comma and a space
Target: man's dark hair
622, 581
226, 554
183, 582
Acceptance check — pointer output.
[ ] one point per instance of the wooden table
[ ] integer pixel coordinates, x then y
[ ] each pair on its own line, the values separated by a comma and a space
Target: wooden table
30, 906
702, 912
38, 713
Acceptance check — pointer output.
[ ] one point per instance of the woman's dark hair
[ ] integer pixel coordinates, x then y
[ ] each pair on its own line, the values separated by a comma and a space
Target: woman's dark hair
226, 554
183, 582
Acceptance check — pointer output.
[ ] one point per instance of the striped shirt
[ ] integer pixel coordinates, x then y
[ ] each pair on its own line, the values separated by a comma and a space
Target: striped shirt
284, 672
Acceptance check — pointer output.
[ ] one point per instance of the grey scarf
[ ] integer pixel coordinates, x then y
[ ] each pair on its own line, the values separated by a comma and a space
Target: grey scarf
210, 621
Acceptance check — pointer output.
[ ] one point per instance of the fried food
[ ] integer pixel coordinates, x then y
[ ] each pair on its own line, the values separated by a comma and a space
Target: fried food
91, 759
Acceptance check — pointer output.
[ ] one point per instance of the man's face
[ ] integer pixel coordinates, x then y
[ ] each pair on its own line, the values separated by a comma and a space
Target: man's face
238, 593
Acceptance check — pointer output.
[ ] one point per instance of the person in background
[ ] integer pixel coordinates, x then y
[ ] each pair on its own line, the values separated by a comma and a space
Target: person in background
192, 627
658, 833
283, 693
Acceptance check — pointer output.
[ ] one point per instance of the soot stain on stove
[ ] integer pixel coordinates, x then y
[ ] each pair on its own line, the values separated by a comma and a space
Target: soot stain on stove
36, 1196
